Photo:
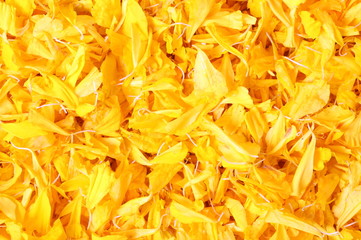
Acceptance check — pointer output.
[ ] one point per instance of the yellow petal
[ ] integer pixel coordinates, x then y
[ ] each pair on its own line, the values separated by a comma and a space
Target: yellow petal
109, 237
208, 81
283, 75
256, 123
45, 124
135, 30
53, 87
239, 96
276, 133
75, 68
187, 121
351, 136
198, 11
17, 129
8, 21
304, 172
276, 216
132, 206
161, 175
238, 212
90, 83
11, 208
39, 48
104, 11
101, 180
15, 231
25, 7
144, 142
322, 155
309, 98
100, 216
39, 214
293, 3
235, 20
8, 54
222, 137
213, 32
84, 108
312, 27
75, 183
281, 233
56, 232
107, 120
136, 233
326, 187
277, 9
186, 215
74, 229
348, 206
4, 185
173, 155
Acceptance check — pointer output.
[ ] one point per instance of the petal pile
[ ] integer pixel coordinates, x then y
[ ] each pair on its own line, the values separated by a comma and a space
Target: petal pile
194, 119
